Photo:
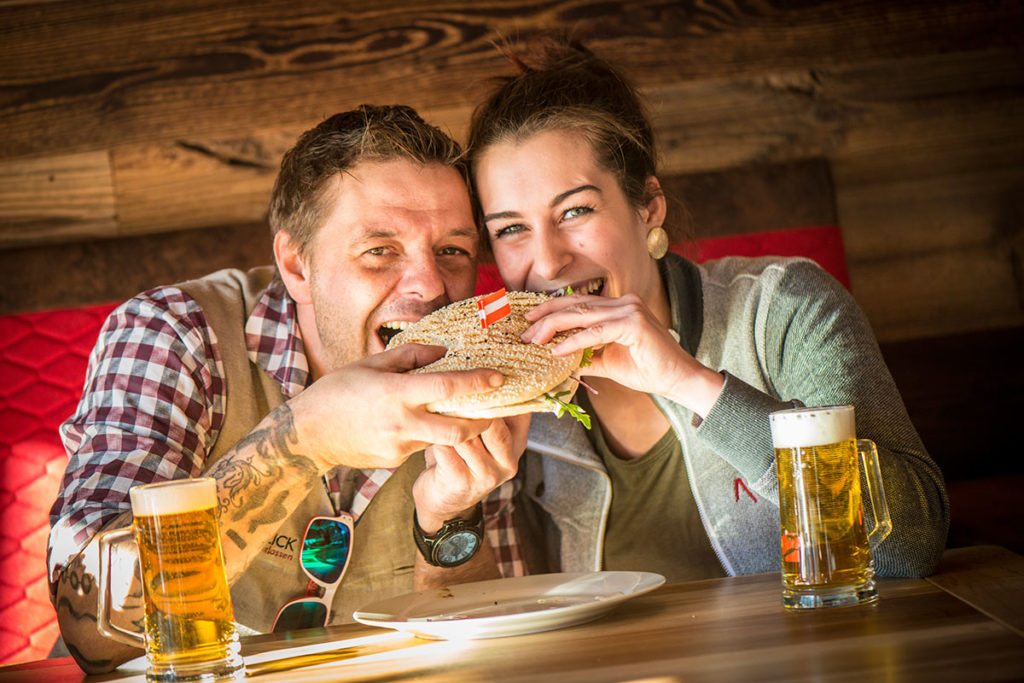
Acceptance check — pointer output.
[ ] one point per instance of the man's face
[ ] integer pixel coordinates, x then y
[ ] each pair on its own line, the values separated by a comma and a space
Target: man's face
399, 242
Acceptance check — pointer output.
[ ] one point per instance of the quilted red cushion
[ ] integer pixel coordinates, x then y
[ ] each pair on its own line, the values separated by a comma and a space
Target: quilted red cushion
43, 358
823, 244
42, 365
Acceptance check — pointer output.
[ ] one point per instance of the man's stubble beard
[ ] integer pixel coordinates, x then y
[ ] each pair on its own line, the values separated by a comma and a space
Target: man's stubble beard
341, 342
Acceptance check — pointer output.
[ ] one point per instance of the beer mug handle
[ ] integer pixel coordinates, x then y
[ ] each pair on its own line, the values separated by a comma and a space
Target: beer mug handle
103, 623
876, 492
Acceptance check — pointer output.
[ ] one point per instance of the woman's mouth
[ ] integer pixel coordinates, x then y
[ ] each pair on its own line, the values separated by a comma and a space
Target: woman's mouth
595, 286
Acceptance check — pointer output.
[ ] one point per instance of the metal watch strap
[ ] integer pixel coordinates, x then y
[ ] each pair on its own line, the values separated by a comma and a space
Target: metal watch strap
425, 542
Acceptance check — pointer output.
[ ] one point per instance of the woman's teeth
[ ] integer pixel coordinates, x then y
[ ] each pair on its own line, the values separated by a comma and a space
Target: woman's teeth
589, 287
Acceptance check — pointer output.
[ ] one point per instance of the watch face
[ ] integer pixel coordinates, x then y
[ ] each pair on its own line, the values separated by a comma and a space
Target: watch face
457, 548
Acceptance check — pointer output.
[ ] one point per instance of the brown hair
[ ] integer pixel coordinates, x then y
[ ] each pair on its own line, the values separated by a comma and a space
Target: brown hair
367, 133
561, 85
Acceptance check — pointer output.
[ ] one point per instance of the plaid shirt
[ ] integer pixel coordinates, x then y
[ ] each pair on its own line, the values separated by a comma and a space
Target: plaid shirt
153, 405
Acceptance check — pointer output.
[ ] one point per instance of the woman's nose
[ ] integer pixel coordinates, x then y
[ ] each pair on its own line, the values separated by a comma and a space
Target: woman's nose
550, 257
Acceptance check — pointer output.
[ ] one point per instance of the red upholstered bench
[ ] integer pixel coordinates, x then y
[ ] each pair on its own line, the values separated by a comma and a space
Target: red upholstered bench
42, 365
822, 243
43, 359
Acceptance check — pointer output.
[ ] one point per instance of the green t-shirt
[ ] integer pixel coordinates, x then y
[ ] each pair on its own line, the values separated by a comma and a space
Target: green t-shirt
653, 524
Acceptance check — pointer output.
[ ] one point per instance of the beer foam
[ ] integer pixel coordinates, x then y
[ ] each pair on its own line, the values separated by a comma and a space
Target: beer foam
802, 427
174, 497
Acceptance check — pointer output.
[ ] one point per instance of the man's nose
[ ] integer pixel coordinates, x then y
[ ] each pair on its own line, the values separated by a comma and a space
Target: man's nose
422, 277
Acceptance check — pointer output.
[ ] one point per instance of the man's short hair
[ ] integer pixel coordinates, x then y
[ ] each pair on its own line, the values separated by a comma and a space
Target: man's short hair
368, 133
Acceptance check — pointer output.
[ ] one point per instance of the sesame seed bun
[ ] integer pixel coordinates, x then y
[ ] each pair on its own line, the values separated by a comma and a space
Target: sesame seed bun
530, 370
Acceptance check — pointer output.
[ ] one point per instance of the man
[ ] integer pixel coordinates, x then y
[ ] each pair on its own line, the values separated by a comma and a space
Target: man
279, 388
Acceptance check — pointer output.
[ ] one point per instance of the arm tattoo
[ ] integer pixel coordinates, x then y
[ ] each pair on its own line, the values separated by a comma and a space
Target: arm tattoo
236, 539
81, 581
274, 513
85, 663
246, 481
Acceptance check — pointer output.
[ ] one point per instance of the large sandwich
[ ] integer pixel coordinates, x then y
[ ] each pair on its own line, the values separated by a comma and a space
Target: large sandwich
535, 379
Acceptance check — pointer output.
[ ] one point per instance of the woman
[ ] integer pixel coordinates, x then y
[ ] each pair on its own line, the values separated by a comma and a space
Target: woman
678, 474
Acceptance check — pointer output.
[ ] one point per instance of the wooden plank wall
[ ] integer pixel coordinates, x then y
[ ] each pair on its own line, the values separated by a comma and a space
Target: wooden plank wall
123, 119
140, 139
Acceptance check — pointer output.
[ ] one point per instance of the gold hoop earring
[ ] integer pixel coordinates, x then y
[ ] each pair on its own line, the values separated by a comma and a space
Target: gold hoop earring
657, 243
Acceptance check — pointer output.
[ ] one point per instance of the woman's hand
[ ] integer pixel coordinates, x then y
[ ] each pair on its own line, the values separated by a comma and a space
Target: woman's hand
630, 347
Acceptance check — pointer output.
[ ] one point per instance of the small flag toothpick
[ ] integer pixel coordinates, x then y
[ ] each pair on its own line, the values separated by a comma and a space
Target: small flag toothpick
493, 307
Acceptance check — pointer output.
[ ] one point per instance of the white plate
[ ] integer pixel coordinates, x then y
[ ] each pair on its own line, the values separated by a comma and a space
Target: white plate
508, 607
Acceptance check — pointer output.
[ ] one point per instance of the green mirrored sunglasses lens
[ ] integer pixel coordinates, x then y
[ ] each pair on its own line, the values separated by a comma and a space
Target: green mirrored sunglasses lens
325, 549
307, 614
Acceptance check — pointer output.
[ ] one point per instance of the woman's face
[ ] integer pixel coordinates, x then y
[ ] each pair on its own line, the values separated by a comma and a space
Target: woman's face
556, 218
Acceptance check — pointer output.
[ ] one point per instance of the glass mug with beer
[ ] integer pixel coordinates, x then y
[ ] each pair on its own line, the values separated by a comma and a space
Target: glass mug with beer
189, 622
826, 548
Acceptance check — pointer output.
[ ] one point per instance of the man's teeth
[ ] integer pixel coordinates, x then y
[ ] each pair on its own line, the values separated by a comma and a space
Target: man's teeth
390, 329
586, 288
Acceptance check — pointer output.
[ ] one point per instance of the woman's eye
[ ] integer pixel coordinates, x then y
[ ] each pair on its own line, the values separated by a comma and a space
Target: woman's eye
509, 230
577, 211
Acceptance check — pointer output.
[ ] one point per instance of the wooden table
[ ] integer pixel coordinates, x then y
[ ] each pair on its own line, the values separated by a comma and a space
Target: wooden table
965, 623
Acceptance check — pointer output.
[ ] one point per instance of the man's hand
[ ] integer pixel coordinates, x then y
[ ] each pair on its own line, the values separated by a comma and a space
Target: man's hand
371, 414
457, 477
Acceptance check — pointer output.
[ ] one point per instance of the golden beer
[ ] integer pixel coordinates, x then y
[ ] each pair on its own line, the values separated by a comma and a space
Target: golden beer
821, 517
189, 622
188, 606
825, 546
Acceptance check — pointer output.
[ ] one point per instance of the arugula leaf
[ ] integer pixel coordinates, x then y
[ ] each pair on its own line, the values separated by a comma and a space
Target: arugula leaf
568, 290
563, 407
588, 354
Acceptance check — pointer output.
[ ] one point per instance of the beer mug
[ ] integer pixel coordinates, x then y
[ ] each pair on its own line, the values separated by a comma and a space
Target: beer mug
826, 549
189, 622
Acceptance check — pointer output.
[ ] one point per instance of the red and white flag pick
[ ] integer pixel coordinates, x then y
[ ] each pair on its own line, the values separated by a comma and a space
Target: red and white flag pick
493, 307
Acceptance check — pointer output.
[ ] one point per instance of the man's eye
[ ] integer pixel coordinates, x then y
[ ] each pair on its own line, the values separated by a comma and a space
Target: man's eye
377, 251
577, 211
509, 230
453, 251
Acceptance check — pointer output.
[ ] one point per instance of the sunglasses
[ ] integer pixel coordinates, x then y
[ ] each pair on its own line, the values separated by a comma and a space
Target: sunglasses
326, 548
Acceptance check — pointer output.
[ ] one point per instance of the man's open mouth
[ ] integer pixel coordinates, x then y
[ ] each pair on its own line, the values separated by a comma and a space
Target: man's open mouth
390, 329
595, 286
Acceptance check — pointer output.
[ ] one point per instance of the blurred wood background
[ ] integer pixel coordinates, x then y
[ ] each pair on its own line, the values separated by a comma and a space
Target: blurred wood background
140, 140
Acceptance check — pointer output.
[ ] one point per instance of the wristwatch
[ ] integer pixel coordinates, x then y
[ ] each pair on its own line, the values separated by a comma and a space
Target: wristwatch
455, 543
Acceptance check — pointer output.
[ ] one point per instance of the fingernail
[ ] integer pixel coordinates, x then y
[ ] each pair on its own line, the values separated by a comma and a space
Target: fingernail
496, 380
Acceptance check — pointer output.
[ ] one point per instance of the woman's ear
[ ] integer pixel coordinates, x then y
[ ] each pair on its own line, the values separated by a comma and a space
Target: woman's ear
294, 269
656, 210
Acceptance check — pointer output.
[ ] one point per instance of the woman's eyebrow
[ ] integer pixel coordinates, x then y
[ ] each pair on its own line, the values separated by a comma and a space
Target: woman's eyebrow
559, 198
568, 193
500, 214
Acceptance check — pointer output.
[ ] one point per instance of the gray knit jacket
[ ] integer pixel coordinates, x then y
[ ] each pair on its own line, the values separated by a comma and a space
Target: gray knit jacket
785, 334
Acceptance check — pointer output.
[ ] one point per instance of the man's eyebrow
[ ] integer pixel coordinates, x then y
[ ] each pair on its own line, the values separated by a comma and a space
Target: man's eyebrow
376, 233
470, 232
387, 233
554, 202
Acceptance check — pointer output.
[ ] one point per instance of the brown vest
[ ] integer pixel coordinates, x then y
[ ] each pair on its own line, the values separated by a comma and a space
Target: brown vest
383, 552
